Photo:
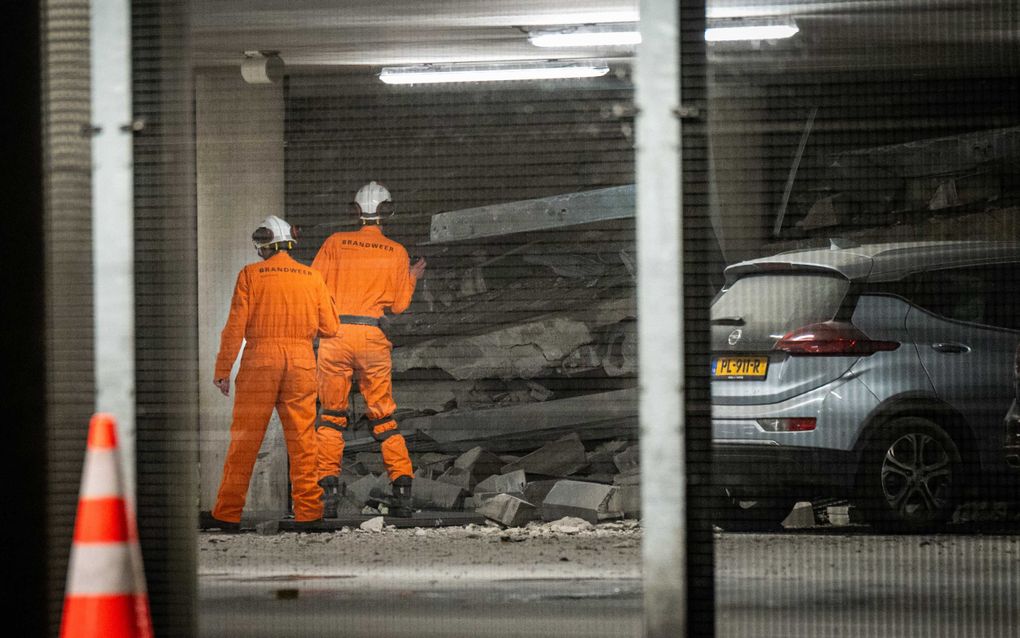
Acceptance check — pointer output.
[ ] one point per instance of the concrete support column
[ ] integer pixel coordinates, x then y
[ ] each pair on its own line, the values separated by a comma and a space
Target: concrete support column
660, 320
240, 162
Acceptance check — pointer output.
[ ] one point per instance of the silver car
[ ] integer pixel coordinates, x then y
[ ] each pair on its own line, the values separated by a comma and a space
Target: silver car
879, 373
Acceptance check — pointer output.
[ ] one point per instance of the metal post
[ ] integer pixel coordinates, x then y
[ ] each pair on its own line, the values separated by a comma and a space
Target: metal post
660, 320
113, 223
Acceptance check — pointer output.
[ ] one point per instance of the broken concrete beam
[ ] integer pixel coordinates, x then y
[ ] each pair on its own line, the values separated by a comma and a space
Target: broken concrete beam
556, 211
562, 457
503, 483
588, 501
629, 459
802, 516
508, 510
519, 351
436, 495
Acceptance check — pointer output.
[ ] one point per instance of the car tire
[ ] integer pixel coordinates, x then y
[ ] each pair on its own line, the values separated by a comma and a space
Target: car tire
911, 476
750, 514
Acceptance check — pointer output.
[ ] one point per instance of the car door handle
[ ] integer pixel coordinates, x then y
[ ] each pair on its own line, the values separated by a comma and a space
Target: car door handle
950, 347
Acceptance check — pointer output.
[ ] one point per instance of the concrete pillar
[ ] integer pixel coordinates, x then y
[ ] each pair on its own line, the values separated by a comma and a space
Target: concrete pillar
239, 154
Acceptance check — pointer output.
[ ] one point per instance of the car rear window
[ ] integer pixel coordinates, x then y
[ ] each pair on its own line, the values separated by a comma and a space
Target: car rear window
765, 307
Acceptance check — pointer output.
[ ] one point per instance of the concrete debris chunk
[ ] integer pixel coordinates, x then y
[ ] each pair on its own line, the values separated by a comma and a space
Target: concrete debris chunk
802, 516
626, 500
563, 457
629, 459
536, 491
588, 501
630, 477
432, 464
436, 495
508, 510
347, 506
511, 482
600, 459
376, 524
570, 525
479, 463
457, 476
360, 490
843, 515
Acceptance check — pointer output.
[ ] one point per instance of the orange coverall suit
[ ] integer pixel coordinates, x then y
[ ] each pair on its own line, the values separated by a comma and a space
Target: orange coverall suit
366, 272
279, 306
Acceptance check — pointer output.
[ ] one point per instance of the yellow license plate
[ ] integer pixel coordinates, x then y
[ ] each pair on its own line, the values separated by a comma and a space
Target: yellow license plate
740, 367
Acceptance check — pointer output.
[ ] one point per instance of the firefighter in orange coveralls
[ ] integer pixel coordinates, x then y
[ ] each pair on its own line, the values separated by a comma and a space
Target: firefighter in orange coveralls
367, 273
279, 306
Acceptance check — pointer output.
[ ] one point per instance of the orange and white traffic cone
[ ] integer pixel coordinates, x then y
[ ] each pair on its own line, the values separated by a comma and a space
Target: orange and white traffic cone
105, 594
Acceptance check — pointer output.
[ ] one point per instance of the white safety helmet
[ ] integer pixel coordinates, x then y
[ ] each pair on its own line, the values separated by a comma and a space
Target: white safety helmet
273, 231
373, 201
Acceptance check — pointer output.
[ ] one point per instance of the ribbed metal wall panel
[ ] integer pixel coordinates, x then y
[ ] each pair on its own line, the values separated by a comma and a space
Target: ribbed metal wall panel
68, 271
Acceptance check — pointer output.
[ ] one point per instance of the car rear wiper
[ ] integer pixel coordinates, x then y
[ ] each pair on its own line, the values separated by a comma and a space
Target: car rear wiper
728, 321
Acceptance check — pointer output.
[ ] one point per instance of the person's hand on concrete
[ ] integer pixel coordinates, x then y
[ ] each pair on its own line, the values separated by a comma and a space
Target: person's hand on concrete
223, 385
418, 268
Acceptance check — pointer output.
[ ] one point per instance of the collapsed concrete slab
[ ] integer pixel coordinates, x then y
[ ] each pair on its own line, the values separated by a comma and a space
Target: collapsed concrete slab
588, 501
562, 457
508, 510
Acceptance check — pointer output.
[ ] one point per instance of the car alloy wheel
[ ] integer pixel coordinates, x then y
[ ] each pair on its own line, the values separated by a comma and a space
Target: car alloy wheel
916, 467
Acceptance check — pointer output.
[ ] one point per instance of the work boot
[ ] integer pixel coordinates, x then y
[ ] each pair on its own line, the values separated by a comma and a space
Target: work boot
207, 522
309, 526
330, 495
401, 503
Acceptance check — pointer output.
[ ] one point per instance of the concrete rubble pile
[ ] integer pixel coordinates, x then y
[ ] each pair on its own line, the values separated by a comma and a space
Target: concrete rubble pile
561, 479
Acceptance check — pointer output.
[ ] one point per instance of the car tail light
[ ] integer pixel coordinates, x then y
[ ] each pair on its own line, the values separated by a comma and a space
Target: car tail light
795, 424
831, 338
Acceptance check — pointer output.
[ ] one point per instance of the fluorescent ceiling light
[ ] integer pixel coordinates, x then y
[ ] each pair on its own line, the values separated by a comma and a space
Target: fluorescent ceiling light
594, 35
438, 73
737, 30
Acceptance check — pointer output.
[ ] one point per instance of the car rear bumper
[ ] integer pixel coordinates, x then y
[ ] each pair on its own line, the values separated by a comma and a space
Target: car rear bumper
772, 470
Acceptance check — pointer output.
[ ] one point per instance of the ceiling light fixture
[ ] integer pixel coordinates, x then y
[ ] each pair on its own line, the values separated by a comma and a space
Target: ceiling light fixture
750, 29
495, 72
588, 35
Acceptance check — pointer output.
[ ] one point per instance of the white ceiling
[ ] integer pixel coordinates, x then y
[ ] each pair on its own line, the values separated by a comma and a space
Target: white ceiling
866, 34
